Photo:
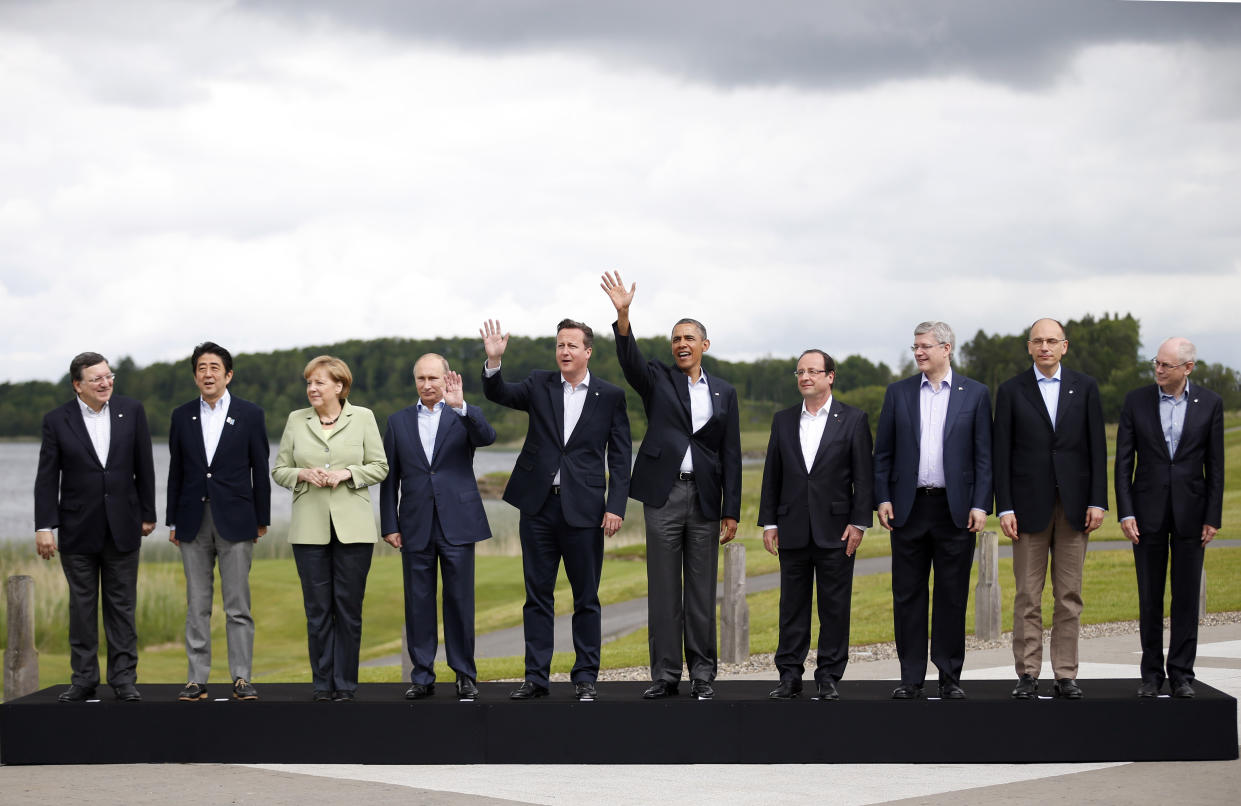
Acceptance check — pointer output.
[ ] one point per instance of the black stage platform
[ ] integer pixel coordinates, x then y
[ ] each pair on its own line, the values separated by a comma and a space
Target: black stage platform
741, 726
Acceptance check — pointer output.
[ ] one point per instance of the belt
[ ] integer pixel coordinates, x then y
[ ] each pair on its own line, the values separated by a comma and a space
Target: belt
683, 476
932, 491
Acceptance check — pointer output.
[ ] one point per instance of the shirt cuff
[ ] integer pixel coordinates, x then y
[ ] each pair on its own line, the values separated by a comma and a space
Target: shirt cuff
772, 526
1006, 512
489, 371
461, 410
1129, 518
1101, 509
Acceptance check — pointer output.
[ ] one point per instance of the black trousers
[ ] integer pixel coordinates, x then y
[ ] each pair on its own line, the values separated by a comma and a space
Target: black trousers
456, 563
546, 539
1150, 558
831, 573
929, 539
115, 574
333, 584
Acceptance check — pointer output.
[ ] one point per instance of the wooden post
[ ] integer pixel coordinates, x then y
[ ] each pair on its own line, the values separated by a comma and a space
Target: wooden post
1202, 596
734, 610
407, 665
988, 617
21, 659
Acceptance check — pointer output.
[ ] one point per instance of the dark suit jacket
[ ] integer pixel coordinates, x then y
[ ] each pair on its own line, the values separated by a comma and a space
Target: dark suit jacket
414, 490
838, 490
1194, 478
81, 498
966, 448
236, 481
715, 448
604, 425
1033, 460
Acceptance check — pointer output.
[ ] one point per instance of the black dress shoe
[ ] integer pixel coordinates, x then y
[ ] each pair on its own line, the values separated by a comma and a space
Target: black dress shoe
1183, 690
585, 691
660, 689
342, 695
466, 689
193, 692
787, 690
701, 690
76, 693
1027, 688
127, 692
951, 691
1149, 688
907, 691
243, 690
827, 691
420, 692
1067, 688
528, 691
321, 695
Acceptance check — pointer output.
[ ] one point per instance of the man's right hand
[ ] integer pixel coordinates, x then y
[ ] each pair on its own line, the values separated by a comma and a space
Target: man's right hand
771, 541
885, 515
494, 343
1008, 524
172, 537
393, 539
1130, 527
45, 544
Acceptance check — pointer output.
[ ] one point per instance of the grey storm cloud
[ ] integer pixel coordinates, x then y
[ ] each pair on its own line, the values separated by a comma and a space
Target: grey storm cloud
830, 43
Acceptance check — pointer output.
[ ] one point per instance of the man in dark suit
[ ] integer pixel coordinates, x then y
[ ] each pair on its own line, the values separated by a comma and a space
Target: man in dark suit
1172, 501
818, 487
219, 502
577, 422
430, 509
933, 491
1051, 493
688, 478
96, 484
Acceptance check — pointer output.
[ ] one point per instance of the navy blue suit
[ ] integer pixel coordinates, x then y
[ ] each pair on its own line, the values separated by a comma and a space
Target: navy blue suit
932, 530
438, 511
1172, 497
236, 484
98, 511
565, 524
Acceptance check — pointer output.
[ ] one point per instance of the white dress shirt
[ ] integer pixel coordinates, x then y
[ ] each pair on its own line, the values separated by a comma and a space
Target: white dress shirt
429, 425
99, 427
1049, 388
933, 409
213, 420
574, 400
700, 412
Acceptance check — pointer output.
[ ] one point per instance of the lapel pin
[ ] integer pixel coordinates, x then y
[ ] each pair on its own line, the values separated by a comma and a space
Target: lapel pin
119, 416
1195, 400
837, 415
960, 388
194, 417
230, 421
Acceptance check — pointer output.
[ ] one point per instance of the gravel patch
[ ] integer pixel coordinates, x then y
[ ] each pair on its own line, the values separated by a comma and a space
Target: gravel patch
887, 650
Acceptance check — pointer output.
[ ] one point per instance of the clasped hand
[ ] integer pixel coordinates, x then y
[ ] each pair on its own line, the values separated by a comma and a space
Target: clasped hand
322, 477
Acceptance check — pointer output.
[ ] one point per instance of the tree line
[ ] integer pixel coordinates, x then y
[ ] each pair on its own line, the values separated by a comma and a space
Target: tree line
1106, 348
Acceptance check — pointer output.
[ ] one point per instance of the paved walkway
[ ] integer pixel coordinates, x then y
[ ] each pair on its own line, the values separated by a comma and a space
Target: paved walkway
1185, 783
623, 618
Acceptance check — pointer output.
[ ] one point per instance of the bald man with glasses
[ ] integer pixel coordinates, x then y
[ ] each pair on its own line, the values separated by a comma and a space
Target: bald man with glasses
1170, 499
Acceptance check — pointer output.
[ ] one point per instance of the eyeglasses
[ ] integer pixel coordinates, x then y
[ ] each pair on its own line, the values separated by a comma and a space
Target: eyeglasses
100, 380
926, 348
813, 373
1157, 364
1048, 342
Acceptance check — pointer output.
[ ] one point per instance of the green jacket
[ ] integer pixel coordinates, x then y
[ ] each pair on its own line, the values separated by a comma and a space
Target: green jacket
355, 444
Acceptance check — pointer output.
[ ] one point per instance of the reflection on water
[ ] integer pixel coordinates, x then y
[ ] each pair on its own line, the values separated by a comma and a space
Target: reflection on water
20, 460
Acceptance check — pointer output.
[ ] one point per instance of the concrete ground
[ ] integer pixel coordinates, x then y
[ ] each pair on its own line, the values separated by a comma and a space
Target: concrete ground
1185, 783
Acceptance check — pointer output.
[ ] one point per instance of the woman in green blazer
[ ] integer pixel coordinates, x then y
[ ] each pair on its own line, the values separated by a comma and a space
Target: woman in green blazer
330, 454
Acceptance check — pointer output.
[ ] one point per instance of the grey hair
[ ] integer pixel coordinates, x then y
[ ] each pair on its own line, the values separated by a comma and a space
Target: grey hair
1063, 333
447, 369
941, 332
1185, 350
702, 329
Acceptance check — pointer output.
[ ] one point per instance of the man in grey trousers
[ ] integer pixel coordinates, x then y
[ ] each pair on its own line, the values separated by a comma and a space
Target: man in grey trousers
688, 478
219, 505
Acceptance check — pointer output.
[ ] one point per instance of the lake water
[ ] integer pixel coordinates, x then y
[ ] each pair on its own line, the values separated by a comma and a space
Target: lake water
20, 460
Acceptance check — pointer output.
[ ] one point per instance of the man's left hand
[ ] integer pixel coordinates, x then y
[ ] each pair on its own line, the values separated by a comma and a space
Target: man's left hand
852, 538
1094, 519
1208, 533
611, 524
454, 397
978, 519
728, 530
147, 528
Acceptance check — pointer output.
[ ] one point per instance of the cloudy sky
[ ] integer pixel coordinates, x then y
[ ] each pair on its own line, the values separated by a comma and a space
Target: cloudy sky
278, 173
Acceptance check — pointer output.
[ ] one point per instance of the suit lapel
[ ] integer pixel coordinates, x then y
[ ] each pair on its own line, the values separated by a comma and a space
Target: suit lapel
588, 407
1150, 412
118, 427
1068, 393
717, 402
555, 393
228, 432
831, 432
74, 415
342, 422
1029, 386
956, 399
447, 415
914, 406
680, 382
196, 421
